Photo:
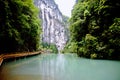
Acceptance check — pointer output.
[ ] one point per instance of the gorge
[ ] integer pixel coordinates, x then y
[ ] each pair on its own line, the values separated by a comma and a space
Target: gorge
94, 29
53, 24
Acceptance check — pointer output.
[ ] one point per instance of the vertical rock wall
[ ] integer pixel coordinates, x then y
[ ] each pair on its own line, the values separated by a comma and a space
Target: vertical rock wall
52, 23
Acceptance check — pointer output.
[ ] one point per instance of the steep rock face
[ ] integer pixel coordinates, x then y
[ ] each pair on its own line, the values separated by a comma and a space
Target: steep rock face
52, 23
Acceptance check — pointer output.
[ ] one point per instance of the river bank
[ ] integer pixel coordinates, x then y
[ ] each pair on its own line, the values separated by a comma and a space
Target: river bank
16, 55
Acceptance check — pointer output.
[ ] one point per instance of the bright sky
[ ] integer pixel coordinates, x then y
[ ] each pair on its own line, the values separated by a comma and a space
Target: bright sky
65, 6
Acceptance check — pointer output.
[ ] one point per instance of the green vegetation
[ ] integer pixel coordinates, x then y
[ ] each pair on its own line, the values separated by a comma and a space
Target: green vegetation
95, 29
51, 47
19, 26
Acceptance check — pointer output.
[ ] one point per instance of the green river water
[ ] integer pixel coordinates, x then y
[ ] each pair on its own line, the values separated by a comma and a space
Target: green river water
59, 67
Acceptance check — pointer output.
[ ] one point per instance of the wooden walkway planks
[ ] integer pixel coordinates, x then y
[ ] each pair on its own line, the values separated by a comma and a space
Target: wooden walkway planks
1, 59
15, 55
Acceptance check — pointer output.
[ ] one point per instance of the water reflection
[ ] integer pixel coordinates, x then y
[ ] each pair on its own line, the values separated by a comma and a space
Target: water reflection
52, 66
60, 67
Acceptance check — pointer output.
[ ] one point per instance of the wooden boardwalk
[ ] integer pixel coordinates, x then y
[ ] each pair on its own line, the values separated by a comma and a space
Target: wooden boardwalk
1, 59
15, 55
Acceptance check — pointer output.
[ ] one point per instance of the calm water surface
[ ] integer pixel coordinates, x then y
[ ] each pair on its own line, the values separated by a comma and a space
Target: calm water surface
60, 67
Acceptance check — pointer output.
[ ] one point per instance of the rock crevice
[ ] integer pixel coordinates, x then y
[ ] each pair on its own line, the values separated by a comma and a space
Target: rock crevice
52, 23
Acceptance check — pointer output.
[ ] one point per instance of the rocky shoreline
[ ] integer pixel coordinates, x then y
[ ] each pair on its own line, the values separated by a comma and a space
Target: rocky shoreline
16, 55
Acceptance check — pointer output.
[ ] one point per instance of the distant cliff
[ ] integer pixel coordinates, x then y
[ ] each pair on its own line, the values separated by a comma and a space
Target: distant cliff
53, 25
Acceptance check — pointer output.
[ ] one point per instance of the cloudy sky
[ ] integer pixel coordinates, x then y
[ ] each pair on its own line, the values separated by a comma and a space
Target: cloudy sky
65, 6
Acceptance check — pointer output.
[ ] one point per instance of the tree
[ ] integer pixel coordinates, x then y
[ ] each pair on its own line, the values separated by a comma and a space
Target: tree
94, 26
19, 26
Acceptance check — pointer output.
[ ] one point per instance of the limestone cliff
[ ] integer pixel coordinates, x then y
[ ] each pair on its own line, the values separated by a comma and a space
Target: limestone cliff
52, 23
